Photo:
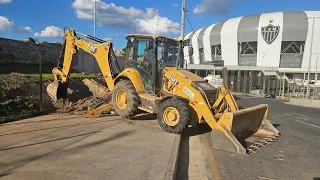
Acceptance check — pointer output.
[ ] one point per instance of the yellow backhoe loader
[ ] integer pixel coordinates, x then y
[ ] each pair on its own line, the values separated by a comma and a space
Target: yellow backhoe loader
154, 81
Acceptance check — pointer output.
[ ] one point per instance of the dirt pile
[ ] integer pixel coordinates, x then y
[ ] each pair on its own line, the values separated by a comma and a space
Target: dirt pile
77, 104
20, 96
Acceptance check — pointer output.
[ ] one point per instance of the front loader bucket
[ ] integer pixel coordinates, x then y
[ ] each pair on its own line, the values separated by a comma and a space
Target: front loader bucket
238, 131
57, 90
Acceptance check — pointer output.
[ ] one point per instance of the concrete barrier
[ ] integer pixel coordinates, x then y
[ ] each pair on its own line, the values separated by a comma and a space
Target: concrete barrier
304, 102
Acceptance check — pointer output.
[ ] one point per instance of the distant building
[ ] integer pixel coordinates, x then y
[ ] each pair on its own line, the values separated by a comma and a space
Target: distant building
256, 47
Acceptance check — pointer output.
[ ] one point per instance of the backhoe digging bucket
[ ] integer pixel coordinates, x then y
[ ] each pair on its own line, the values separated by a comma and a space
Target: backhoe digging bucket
244, 131
57, 90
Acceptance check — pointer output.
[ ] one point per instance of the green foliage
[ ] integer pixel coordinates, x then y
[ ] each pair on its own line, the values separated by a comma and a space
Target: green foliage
49, 43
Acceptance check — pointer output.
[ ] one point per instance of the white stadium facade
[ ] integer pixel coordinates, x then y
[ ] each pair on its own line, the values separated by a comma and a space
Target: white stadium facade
260, 51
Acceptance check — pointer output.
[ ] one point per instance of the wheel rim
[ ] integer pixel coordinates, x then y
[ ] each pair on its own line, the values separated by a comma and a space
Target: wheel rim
171, 116
122, 99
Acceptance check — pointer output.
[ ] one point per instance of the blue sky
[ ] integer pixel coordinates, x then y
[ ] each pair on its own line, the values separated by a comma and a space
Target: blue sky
45, 19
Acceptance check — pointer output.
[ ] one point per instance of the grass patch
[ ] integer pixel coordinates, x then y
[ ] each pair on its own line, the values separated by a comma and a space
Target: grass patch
16, 81
16, 109
46, 77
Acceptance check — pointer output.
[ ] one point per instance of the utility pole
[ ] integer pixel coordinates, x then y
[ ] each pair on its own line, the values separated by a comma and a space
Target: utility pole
157, 11
310, 57
94, 28
183, 12
94, 19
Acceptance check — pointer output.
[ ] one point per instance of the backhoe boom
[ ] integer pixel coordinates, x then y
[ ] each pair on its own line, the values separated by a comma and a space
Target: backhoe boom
101, 51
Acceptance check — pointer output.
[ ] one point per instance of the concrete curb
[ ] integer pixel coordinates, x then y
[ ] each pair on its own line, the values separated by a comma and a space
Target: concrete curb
174, 158
304, 103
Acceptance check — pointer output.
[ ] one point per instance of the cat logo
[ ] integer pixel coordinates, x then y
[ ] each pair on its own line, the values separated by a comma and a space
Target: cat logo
174, 81
270, 33
92, 48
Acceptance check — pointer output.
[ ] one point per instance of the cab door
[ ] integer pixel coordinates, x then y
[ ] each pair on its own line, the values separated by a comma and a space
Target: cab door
141, 56
145, 61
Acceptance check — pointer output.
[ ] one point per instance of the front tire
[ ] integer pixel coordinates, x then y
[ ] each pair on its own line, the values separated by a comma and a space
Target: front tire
174, 116
125, 99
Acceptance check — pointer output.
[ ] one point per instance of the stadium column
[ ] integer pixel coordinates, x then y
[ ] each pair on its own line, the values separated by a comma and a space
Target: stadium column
279, 87
197, 72
231, 80
288, 89
269, 85
250, 80
304, 78
260, 81
245, 82
273, 86
239, 81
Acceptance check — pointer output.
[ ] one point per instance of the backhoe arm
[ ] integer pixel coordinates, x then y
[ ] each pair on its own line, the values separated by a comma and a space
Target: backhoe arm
102, 52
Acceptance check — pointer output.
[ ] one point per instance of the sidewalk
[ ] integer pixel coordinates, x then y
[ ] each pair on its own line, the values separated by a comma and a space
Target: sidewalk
72, 147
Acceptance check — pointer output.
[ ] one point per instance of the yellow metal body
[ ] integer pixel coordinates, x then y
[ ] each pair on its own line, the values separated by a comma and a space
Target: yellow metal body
95, 112
171, 116
122, 99
231, 127
100, 51
134, 76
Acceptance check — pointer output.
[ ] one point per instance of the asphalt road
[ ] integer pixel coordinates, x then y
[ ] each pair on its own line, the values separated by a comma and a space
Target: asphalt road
296, 155
73, 147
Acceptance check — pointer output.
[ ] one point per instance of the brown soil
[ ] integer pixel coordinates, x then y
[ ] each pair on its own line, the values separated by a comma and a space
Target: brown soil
20, 97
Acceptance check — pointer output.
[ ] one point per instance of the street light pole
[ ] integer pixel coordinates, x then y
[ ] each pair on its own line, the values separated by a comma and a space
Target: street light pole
94, 18
310, 57
157, 11
183, 13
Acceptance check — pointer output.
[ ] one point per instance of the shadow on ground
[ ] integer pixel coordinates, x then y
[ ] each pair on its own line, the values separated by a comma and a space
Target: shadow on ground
144, 117
184, 155
8, 168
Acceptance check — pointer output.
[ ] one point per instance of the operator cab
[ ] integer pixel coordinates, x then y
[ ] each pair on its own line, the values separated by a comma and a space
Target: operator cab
149, 54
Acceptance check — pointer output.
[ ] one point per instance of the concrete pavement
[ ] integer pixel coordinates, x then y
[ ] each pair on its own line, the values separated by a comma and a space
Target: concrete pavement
296, 155
73, 147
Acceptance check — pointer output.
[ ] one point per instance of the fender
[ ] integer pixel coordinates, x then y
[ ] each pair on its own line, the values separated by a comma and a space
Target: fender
134, 76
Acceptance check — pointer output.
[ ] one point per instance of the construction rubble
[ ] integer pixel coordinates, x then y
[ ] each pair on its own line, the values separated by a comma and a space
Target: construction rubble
100, 95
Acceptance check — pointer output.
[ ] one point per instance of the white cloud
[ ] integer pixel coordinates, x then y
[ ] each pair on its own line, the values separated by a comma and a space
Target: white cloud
22, 30
213, 6
128, 19
175, 5
6, 25
5, 1
51, 32
107, 39
112, 34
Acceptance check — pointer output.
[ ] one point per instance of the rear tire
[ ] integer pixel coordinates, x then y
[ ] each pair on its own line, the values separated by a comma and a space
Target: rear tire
128, 107
181, 113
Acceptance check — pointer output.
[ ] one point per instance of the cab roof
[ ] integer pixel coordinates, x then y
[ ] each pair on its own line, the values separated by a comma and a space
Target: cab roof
150, 36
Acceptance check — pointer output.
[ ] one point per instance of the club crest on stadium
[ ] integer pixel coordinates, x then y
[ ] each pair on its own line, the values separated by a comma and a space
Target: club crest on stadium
270, 33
